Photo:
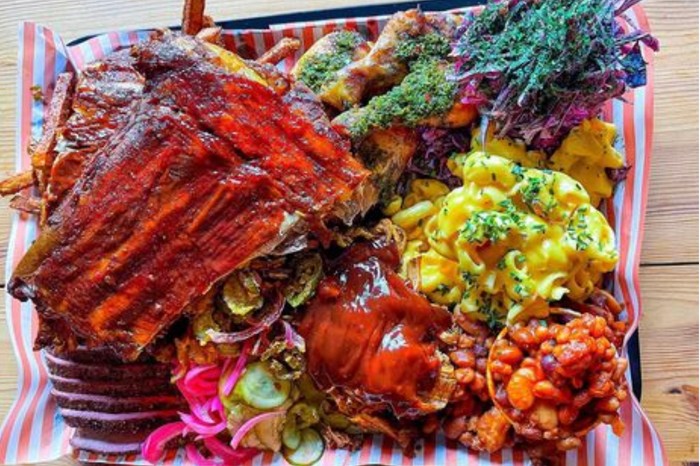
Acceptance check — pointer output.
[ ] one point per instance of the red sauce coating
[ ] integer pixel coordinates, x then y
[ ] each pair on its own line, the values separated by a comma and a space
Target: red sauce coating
368, 332
203, 178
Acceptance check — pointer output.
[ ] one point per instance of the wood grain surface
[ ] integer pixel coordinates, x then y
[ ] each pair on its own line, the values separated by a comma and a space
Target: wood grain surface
669, 273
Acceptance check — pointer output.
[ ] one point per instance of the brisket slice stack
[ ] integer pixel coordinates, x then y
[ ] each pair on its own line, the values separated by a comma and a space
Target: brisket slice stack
113, 405
161, 174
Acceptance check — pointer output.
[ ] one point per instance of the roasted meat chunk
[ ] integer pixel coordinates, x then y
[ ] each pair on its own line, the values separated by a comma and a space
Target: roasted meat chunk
386, 64
371, 339
212, 170
105, 93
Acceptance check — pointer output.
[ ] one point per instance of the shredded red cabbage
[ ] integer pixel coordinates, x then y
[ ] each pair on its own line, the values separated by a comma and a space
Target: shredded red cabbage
538, 68
617, 175
434, 149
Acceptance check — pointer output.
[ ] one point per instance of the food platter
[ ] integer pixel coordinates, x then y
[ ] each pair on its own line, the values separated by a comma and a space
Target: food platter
630, 197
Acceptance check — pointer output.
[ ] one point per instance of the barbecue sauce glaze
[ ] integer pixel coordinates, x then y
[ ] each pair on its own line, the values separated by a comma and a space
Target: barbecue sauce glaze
369, 333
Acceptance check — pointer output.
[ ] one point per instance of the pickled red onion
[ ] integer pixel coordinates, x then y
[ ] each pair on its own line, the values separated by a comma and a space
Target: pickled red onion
288, 334
228, 454
202, 380
229, 380
204, 429
291, 338
153, 448
218, 407
194, 455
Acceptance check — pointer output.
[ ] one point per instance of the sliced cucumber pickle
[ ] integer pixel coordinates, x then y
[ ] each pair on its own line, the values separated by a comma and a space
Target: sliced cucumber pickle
309, 451
241, 293
309, 391
259, 388
304, 415
299, 417
308, 272
203, 322
291, 437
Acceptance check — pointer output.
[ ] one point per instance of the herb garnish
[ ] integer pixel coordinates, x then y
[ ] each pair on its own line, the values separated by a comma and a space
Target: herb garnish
423, 48
424, 92
489, 225
320, 69
540, 67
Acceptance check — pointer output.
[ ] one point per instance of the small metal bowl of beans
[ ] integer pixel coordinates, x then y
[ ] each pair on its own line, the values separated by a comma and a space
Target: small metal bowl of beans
556, 379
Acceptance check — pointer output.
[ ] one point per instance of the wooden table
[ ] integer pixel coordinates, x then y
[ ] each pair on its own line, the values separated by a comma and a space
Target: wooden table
669, 273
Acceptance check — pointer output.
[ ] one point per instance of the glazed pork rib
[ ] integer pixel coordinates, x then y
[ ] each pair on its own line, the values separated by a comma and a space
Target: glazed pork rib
211, 170
105, 93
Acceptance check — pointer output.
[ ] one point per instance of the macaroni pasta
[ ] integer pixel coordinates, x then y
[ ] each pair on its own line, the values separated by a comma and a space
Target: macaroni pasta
585, 155
506, 242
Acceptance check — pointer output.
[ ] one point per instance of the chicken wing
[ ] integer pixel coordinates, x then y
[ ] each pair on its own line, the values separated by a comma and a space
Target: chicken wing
386, 64
318, 66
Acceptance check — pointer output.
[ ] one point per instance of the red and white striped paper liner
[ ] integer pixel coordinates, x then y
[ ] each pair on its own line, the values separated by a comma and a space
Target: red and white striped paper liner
33, 430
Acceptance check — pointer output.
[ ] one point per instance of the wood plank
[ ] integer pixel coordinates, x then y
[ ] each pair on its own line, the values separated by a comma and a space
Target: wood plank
5, 226
672, 212
669, 350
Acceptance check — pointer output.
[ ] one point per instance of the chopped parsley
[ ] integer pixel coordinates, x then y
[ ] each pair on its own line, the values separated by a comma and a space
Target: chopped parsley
488, 225
423, 93
532, 189
583, 239
468, 278
442, 289
577, 231
512, 212
531, 193
319, 69
422, 48
488, 309
518, 171
539, 228
493, 321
